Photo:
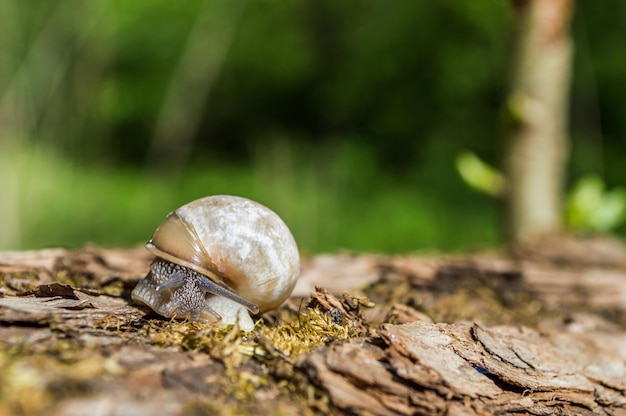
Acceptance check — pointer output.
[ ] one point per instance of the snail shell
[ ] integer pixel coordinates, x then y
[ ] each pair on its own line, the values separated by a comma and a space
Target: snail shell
218, 257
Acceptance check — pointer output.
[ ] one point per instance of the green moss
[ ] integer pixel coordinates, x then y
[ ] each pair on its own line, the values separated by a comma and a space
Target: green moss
258, 361
22, 387
31, 383
302, 333
311, 329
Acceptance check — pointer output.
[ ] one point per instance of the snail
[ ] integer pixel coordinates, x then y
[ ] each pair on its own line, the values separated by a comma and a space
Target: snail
217, 258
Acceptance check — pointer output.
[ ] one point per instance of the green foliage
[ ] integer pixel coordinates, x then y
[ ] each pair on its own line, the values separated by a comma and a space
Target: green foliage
591, 207
344, 118
329, 203
478, 175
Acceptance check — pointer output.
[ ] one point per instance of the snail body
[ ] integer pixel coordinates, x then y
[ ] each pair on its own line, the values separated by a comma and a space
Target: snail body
217, 258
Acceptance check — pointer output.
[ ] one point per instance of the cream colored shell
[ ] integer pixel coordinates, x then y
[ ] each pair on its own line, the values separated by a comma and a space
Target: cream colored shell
234, 242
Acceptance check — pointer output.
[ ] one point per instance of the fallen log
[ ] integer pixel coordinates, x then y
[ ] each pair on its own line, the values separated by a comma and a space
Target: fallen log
363, 334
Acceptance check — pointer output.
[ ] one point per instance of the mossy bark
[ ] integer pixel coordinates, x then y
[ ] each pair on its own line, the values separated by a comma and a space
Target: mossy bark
542, 333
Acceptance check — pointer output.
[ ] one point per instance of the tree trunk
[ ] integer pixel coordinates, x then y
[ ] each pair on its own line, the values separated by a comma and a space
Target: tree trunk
537, 105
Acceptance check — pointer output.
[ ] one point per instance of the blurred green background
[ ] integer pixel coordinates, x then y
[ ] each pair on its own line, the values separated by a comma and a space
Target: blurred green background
344, 117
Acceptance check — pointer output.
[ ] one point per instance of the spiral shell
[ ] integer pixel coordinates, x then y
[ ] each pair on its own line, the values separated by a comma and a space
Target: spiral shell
219, 247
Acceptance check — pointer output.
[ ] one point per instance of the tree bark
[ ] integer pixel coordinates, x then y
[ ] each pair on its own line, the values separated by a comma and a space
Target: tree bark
537, 106
471, 335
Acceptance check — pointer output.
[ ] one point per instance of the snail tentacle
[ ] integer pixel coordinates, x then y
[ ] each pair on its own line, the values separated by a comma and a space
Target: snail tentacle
175, 281
208, 286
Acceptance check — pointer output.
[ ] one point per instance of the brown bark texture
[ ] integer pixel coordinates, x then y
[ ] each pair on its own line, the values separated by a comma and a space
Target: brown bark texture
537, 106
539, 333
